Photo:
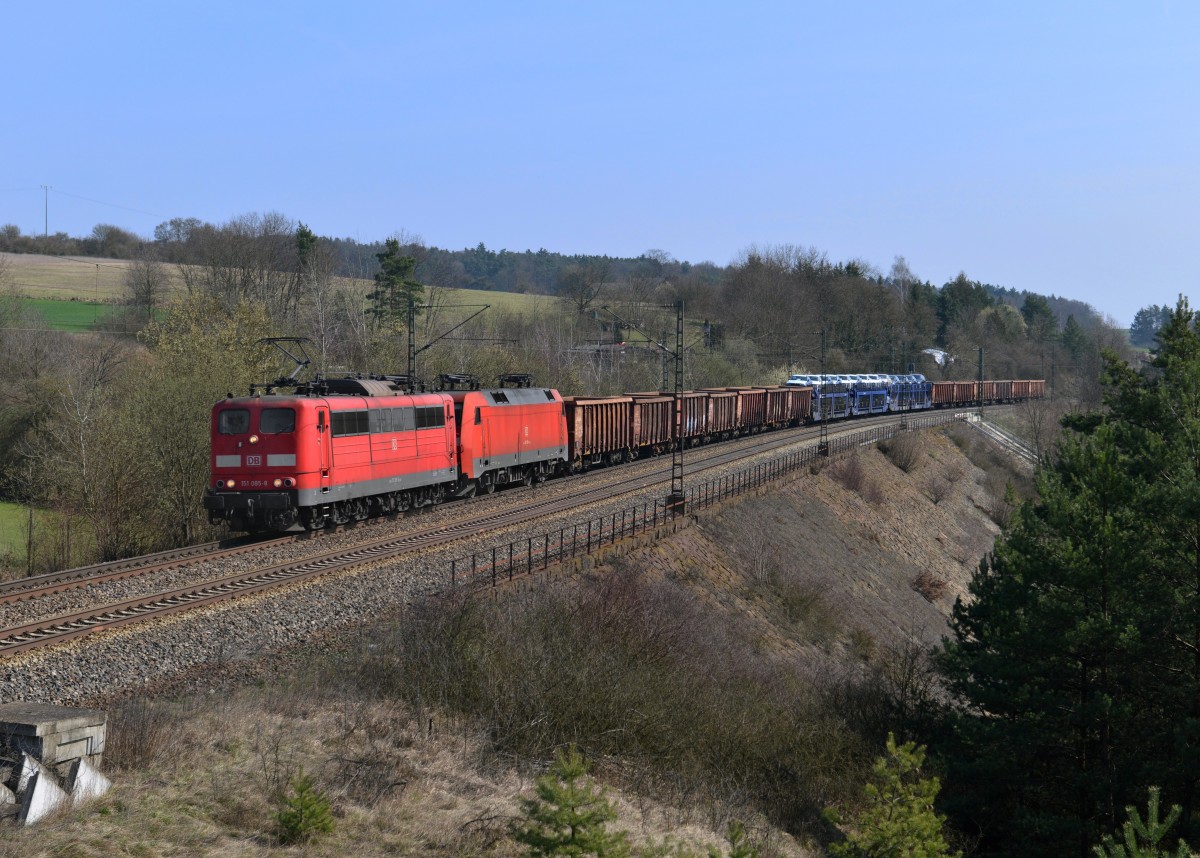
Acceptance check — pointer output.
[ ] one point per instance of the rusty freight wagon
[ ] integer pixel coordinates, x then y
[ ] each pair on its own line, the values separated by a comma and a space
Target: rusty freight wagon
749, 409
799, 405
951, 394
781, 406
1022, 390
695, 413
599, 430
653, 422
722, 414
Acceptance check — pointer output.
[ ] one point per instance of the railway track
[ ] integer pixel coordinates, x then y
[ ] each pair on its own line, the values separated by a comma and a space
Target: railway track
87, 576
96, 573
603, 486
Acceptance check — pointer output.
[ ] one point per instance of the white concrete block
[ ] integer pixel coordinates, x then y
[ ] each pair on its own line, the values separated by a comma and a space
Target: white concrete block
85, 782
42, 797
29, 768
7, 796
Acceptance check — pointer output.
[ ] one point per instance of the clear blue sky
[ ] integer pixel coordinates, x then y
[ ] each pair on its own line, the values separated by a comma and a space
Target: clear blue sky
1053, 147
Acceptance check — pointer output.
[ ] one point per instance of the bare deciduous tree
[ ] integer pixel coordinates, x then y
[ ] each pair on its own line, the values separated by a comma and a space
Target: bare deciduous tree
579, 285
146, 284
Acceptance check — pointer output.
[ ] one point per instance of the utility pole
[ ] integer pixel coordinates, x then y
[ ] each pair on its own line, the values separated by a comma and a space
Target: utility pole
980, 380
46, 194
665, 369
412, 343
676, 501
413, 351
823, 442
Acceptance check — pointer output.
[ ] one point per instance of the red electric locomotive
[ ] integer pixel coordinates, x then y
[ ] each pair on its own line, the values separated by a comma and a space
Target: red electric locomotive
509, 435
366, 448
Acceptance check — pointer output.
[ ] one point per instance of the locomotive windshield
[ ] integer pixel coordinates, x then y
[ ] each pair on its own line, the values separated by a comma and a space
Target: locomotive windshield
275, 421
233, 421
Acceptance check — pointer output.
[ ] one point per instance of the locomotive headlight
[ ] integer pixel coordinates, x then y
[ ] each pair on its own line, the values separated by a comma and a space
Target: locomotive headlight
253, 439
230, 484
278, 482
289, 482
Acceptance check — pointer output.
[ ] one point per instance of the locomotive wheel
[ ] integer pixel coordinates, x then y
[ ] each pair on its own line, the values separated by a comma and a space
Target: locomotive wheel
403, 501
358, 509
311, 519
487, 483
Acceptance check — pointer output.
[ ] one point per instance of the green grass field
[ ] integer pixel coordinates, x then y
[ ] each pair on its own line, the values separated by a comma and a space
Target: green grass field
68, 315
13, 520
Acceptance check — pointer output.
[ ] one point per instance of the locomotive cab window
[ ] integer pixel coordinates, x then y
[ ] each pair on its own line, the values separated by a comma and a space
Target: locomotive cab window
276, 421
234, 421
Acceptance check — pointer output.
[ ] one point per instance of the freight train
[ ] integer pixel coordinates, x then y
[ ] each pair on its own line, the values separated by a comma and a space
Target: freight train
344, 449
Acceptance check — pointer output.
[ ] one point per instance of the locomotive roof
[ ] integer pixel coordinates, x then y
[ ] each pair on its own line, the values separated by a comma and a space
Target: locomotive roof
509, 395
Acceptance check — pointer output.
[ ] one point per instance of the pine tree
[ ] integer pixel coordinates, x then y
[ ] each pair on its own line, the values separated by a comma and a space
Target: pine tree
738, 840
569, 815
1076, 660
1141, 839
899, 820
394, 286
305, 813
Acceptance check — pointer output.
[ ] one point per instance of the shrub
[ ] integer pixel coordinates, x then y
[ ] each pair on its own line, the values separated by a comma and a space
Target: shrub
937, 489
305, 812
929, 585
898, 818
569, 815
140, 733
905, 451
849, 473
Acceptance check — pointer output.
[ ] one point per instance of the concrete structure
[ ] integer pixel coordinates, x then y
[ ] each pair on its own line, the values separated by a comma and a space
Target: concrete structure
42, 797
53, 735
42, 745
84, 782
